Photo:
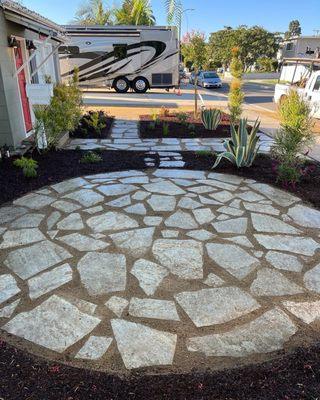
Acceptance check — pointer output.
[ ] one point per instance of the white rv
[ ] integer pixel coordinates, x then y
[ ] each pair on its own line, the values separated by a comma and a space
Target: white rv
122, 57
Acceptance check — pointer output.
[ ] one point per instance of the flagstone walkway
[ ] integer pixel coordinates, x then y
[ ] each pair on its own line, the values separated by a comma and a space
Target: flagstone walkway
173, 268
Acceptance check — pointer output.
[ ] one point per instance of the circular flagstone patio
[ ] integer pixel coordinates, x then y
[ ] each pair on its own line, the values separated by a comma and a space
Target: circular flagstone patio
174, 269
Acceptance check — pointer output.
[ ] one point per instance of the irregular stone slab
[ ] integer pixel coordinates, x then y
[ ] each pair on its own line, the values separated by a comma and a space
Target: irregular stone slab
280, 197
52, 234
65, 206
169, 233
8, 287
149, 274
266, 223
117, 189
205, 200
232, 258
184, 182
298, 245
179, 174
117, 305
53, 219
152, 308
216, 306
135, 179
30, 260
164, 187
111, 221
138, 208
312, 279
21, 237
262, 208
9, 213
120, 201
48, 281
137, 241
28, 221
231, 211
235, 204
214, 280
55, 324
116, 175
273, 283
162, 203
284, 261
83, 243
94, 348
83, 305
152, 221
7, 311
182, 220
305, 216
222, 197
141, 346
250, 196
201, 235
93, 210
86, 197
307, 311
183, 257
140, 195
265, 334
202, 189
234, 180
218, 184
34, 201
189, 203
103, 273
69, 185
203, 215
237, 225
72, 222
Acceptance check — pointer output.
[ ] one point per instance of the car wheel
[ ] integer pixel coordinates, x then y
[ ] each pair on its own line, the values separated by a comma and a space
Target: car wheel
140, 85
121, 85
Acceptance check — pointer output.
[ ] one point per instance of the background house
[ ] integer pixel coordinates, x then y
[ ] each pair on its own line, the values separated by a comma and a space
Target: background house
300, 47
29, 61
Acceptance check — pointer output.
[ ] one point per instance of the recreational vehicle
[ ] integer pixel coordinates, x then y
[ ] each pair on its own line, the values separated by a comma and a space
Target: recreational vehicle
122, 57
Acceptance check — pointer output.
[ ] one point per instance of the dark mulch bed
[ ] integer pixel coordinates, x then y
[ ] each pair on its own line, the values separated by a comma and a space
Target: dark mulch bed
193, 128
86, 131
293, 377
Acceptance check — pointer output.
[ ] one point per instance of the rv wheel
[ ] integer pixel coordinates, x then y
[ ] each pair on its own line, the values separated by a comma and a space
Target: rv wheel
140, 85
121, 85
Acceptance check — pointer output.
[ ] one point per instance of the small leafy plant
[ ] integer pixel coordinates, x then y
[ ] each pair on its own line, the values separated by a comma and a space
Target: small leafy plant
242, 148
182, 118
95, 121
152, 126
164, 112
191, 127
165, 129
211, 118
28, 165
91, 158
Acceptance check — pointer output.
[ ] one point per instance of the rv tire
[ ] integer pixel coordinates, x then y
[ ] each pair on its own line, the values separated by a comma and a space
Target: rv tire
121, 84
140, 84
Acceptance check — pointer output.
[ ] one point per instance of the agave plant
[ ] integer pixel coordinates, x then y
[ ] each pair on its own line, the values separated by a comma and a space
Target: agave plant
211, 118
243, 147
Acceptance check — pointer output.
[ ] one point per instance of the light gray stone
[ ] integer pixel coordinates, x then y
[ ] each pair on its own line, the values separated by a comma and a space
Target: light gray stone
216, 306
232, 258
85, 197
52, 234
53, 219
307, 311
34, 201
214, 280
94, 348
152, 308
312, 279
241, 240
71, 184
136, 241
234, 225
149, 274
280, 197
111, 221
27, 221
250, 196
267, 223
261, 208
152, 221
116, 175
48, 281
93, 210
116, 189
272, 283
231, 211
120, 201
206, 201
235, 204
138, 208
9, 213
117, 305
72, 222
8, 287
183, 257
221, 197
201, 189
265, 334
232, 179
179, 174
162, 203
182, 220
141, 346
7, 311
284, 261
103, 273
305, 216
188, 203
298, 245
140, 195
200, 234
164, 187
83, 243
31, 260
21, 237
170, 233
184, 182
135, 179
218, 184
203, 215
65, 206
55, 324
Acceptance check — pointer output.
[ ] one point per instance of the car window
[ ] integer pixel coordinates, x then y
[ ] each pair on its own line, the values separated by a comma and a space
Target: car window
210, 75
317, 84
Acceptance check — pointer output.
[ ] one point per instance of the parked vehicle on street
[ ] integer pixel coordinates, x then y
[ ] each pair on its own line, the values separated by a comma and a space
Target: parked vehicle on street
304, 76
122, 57
192, 78
209, 79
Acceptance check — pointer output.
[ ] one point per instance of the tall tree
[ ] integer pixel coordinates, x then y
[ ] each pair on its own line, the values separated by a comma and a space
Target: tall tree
294, 29
174, 10
94, 12
135, 12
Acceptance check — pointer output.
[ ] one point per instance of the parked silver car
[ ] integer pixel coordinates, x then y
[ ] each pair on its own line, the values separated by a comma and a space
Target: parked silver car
208, 79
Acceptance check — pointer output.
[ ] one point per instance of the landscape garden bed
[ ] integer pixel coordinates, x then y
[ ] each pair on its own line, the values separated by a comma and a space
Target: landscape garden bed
93, 125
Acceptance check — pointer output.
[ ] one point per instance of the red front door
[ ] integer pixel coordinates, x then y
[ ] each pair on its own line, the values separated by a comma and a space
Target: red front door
22, 89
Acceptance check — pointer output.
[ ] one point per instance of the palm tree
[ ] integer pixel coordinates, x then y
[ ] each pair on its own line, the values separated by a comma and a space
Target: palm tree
95, 12
135, 12
174, 9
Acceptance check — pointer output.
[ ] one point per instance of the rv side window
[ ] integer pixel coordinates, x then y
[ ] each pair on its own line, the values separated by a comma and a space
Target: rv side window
120, 50
317, 84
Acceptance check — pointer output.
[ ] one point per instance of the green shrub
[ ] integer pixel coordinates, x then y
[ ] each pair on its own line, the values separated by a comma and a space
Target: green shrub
191, 127
165, 129
211, 118
242, 148
91, 158
95, 121
182, 117
236, 95
152, 126
28, 166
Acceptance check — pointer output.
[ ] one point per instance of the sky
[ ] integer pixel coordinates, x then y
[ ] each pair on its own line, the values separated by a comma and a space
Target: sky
209, 15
